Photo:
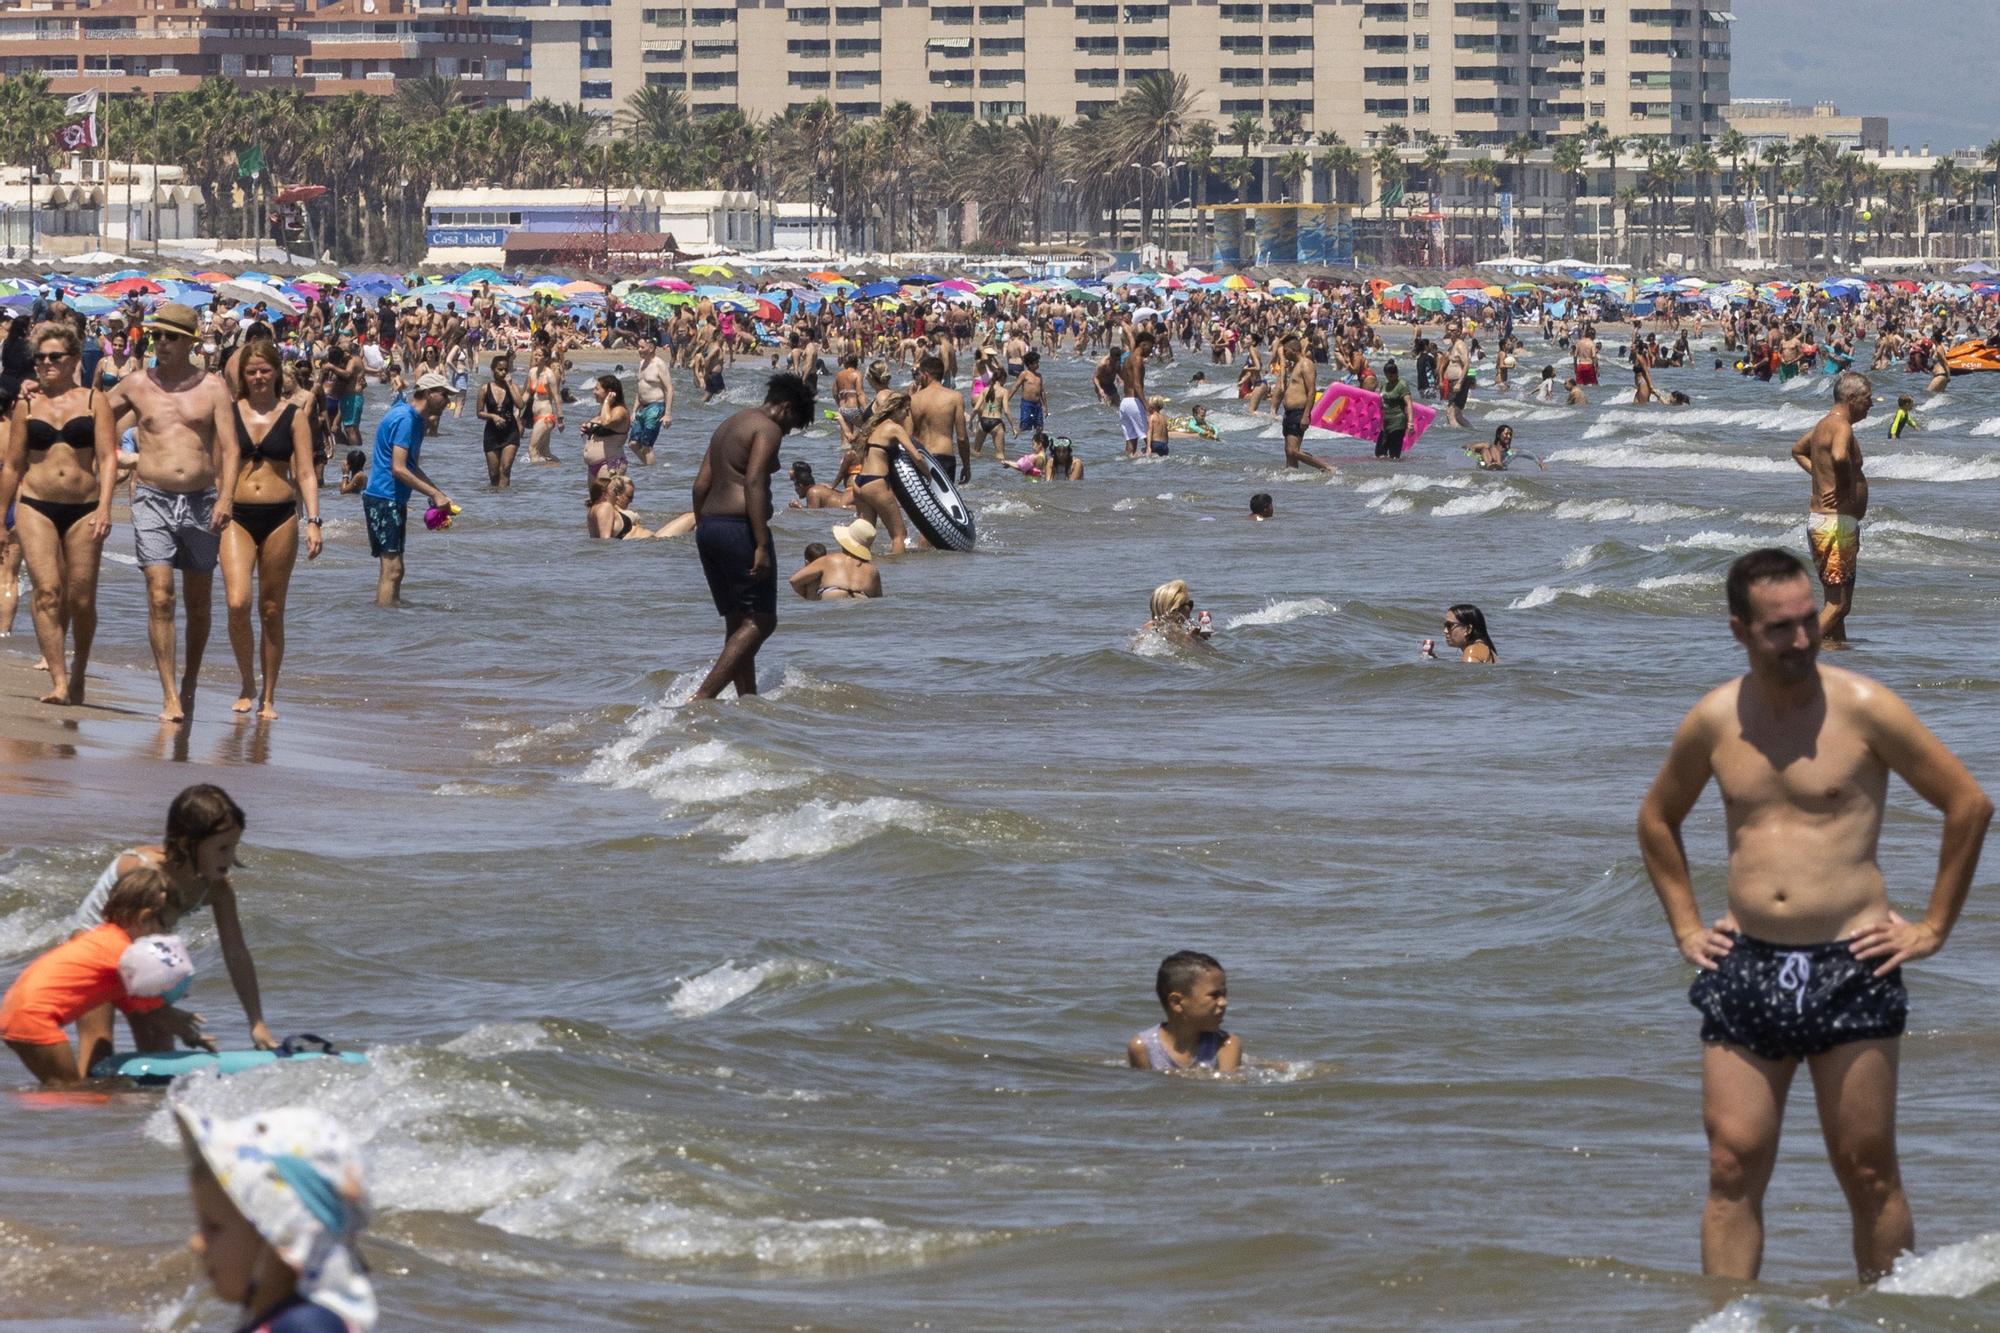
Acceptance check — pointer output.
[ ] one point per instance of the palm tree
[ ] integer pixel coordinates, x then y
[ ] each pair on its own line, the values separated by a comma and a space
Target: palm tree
1152, 117
1199, 154
1292, 169
1034, 161
1389, 175
1339, 162
1518, 150
655, 115
1483, 175
1611, 146
1701, 161
1990, 155
1735, 147
1568, 159
897, 125
1774, 157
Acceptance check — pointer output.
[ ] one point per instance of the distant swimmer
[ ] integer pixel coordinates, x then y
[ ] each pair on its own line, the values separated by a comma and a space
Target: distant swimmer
1261, 509
1194, 990
1173, 615
732, 505
1497, 453
1904, 422
1831, 456
846, 573
1196, 426
1465, 633
1064, 465
1806, 963
815, 494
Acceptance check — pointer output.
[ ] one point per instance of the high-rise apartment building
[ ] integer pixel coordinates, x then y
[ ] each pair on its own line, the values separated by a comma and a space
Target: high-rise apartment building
1466, 71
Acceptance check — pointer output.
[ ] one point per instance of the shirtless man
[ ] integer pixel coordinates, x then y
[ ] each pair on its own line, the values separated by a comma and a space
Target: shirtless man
732, 505
1104, 377
1299, 387
1585, 354
937, 419
1806, 963
1831, 456
1132, 379
1790, 349
1029, 393
181, 495
849, 572
349, 378
655, 391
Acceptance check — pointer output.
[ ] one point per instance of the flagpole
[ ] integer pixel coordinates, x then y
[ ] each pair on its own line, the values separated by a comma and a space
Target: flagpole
104, 166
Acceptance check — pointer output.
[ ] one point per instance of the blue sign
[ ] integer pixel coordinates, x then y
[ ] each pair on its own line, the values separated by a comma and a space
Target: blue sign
465, 237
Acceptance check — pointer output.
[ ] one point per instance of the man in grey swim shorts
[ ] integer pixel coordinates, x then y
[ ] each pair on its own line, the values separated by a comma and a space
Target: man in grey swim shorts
181, 494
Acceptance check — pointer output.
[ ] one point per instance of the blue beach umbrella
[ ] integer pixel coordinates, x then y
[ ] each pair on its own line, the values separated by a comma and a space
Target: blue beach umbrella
92, 305
922, 279
875, 289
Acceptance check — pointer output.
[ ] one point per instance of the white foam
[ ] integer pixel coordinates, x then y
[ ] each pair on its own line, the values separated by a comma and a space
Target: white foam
1712, 540
1960, 1270
1125, 506
1939, 532
1676, 581
1005, 508
1631, 456
1579, 556
1483, 503
1933, 467
1409, 481
1392, 504
722, 985
1990, 426
1627, 511
813, 829
1615, 421
492, 1039
703, 774
1742, 1315
1282, 613
1543, 593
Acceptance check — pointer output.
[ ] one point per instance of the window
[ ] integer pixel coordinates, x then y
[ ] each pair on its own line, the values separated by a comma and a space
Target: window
1253, 106
865, 109
1660, 47
1102, 78
1660, 18
1597, 16
1421, 9
816, 48
1097, 13
850, 48
811, 18
1420, 106
1290, 45
1392, 13
1242, 13
952, 78
714, 50
1483, 74
1000, 110
1420, 74
1145, 13
594, 60
1488, 11
1385, 74
1485, 42
663, 79
852, 16
812, 78
1002, 46
1385, 41
715, 78
1658, 79
956, 16
660, 53
1243, 46
1597, 78
594, 92
1136, 46
713, 18
1597, 111
1001, 13
1421, 41
1291, 76
670, 18
1597, 46
858, 78
952, 108
1291, 13
1303, 106
1386, 106
989, 78
1101, 46
1082, 108
1242, 76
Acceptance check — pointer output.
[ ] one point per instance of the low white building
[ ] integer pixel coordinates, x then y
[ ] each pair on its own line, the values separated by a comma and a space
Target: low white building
802, 229
71, 217
474, 226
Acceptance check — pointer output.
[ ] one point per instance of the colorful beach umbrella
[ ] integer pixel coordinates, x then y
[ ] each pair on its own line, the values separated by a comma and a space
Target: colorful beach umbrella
1236, 282
710, 271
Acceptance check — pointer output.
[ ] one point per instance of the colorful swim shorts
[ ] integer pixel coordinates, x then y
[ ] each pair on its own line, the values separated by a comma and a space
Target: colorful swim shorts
646, 425
1836, 546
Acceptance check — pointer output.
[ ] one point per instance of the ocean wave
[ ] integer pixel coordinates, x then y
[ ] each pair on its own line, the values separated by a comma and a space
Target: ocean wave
1392, 504
1407, 481
1630, 456
1745, 1314
1988, 427
1579, 556
1937, 532
813, 829
1628, 511
1006, 507
1933, 467
1485, 502
495, 1039
1712, 540
1614, 421
703, 774
1961, 1270
1544, 593
725, 983
1282, 612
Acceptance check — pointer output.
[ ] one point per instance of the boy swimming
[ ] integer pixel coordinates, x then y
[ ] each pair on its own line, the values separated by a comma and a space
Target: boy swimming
1194, 990
1903, 421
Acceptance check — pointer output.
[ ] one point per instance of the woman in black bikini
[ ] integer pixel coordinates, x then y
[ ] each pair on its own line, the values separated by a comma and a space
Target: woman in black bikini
874, 499
276, 472
54, 444
500, 409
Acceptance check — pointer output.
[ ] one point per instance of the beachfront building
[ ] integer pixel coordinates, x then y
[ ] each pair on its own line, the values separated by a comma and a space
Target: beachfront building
148, 47
487, 225
1464, 71
1764, 121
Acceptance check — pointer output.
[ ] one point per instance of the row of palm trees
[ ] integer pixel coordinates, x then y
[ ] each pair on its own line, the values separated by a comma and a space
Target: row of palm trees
907, 179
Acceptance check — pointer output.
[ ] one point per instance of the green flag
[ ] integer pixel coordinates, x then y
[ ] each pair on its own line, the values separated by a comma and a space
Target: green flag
1393, 195
249, 162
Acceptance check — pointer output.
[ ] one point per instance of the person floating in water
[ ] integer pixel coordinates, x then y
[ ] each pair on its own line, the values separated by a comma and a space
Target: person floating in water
1194, 990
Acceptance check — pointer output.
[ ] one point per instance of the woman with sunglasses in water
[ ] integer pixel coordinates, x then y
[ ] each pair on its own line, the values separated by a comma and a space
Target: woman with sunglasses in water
1465, 630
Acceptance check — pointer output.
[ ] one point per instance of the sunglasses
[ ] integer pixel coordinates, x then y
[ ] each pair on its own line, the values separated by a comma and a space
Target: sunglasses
168, 336
47, 358
1451, 625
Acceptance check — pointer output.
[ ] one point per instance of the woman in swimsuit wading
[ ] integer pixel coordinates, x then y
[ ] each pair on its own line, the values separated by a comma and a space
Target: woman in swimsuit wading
884, 430
56, 443
500, 407
262, 540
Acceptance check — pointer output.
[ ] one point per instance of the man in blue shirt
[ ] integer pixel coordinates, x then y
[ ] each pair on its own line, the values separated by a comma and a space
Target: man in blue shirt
399, 438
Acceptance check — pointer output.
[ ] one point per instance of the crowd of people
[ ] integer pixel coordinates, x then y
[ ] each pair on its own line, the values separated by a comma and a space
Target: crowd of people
224, 422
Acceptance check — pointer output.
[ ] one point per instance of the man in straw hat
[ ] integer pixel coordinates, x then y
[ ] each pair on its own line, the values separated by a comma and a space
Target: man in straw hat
848, 572
180, 494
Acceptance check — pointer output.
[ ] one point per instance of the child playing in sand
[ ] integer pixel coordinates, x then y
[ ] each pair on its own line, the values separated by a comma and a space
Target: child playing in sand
1194, 991
101, 966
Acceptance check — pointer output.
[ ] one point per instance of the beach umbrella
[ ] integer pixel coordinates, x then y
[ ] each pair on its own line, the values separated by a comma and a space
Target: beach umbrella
439, 299
877, 289
254, 292
957, 285
670, 284
710, 271
1493, 291
1465, 285
164, 274
18, 301
129, 286
92, 304
651, 301
997, 288
1430, 298
319, 279
583, 287
922, 280
1236, 282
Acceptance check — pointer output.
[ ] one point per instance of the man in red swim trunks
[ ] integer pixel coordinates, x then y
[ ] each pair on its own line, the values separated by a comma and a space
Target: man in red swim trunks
1585, 352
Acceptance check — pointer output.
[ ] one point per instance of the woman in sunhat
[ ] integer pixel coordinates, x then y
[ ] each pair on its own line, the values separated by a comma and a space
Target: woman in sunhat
280, 1200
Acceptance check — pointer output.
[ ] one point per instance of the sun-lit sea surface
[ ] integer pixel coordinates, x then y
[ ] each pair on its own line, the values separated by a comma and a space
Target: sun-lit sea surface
809, 1011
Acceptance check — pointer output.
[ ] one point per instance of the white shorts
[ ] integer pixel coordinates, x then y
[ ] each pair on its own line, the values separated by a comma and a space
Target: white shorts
1132, 416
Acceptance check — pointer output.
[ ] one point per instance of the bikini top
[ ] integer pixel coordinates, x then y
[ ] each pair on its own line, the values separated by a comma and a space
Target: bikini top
276, 446
79, 432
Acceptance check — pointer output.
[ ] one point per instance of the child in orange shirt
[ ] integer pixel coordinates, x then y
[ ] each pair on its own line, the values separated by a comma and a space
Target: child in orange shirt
102, 965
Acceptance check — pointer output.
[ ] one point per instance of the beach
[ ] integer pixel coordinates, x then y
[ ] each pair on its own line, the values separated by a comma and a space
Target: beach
809, 1010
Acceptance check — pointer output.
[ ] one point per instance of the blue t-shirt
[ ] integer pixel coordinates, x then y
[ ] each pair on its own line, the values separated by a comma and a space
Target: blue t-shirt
400, 425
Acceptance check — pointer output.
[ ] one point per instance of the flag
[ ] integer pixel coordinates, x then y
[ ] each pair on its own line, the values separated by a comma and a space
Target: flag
78, 135
1393, 195
83, 104
249, 162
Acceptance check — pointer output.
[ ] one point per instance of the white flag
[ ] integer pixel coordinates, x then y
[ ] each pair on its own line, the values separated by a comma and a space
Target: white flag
83, 104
